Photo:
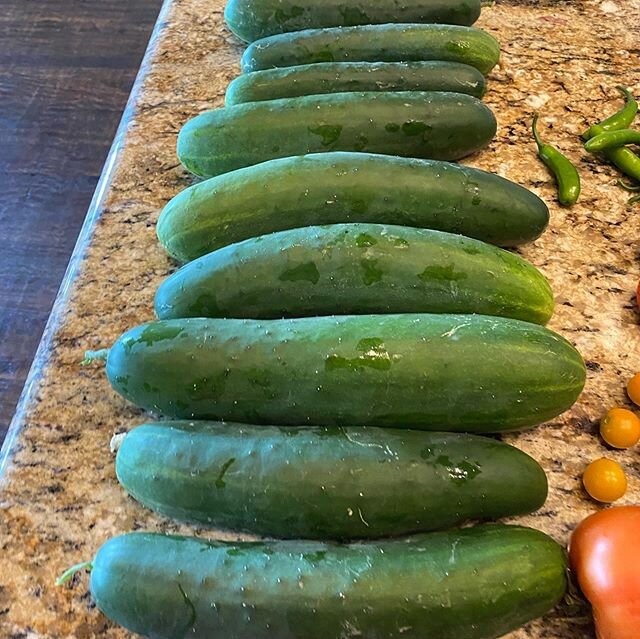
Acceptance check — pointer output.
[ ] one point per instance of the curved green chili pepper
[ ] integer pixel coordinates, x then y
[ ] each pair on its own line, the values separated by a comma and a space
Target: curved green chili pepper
619, 120
612, 139
633, 200
624, 159
565, 173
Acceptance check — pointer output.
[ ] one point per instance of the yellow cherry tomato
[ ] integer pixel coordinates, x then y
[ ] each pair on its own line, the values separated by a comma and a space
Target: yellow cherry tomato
633, 389
604, 480
620, 428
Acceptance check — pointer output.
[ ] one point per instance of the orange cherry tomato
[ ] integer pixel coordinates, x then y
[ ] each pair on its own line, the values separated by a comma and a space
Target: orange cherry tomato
605, 480
620, 428
633, 389
605, 555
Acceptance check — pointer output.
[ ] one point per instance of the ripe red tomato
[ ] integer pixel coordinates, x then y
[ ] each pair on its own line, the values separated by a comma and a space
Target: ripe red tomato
605, 556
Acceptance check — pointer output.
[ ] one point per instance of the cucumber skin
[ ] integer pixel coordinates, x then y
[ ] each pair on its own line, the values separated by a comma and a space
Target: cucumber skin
337, 77
375, 43
431, 372
254, 19
356, 269
435, 125
327, 188
325, 483
475, 583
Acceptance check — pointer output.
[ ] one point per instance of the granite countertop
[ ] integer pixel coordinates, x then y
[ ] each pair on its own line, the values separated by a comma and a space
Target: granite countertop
59, 496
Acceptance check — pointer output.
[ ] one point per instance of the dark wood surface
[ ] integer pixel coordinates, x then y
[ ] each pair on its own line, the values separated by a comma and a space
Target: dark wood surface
66, 69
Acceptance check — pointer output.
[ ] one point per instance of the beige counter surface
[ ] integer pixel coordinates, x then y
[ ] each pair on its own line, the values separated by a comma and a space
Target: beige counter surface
59, 498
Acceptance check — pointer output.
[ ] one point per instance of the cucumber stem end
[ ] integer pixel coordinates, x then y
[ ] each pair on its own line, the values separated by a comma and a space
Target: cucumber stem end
94, 356
70, 572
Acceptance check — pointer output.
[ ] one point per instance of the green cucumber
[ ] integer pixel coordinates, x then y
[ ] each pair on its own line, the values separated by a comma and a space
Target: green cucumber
375, 43
254, 19
326, 188
431, 372
354, 269
325, 483
475, 583
422, 124
338, 77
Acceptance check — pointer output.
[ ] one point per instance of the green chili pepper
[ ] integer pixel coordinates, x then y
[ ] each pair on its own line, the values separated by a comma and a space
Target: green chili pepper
622, 157
566, 174
612, 139
620, 120
626, 160
633, 200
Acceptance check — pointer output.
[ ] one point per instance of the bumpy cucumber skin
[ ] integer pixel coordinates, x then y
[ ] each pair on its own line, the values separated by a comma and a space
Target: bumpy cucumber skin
431, 372
325, 483
356, 269
254, 19
422, 124
330, 188
475, 583
375, 43
337, 77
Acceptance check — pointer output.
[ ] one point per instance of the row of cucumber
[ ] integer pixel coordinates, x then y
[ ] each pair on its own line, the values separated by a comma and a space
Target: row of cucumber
399, 89
344, 301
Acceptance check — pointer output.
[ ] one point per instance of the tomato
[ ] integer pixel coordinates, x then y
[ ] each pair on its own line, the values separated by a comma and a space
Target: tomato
605, 556
633, 389
620, 428
605, 480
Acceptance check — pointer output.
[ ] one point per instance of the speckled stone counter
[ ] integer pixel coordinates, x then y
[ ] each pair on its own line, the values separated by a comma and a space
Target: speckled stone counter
59, 497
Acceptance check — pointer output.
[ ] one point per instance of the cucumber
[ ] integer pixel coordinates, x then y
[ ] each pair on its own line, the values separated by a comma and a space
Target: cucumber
431, 372
254, 19
475, 583
353, 269
337, 77
327, 188
375, 43
423, 124
325, 483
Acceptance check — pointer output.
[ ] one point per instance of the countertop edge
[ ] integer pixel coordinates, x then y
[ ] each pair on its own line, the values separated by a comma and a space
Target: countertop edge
82, 243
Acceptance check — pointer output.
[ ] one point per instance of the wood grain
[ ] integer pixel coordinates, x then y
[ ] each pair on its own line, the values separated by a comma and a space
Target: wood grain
66, 68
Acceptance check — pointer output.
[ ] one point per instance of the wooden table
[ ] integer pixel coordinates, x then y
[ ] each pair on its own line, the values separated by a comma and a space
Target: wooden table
66, 69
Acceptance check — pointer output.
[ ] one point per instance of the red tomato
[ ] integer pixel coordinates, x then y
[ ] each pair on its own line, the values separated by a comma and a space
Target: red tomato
605, 556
